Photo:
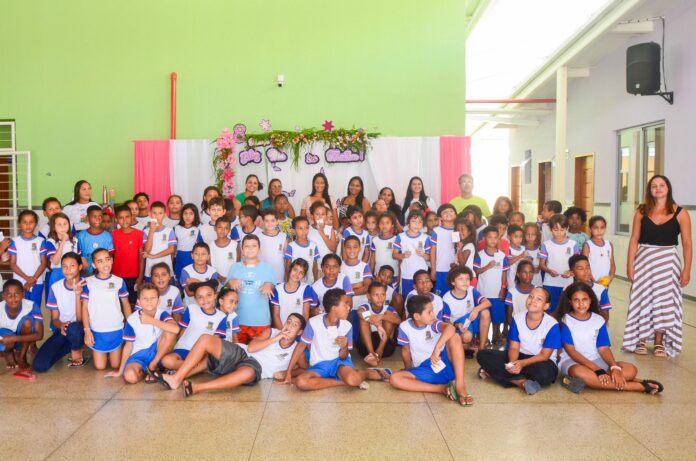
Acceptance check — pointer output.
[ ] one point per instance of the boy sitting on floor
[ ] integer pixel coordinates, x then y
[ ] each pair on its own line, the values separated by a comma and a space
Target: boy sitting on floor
21, 324
427, 366
330, 339
266, 356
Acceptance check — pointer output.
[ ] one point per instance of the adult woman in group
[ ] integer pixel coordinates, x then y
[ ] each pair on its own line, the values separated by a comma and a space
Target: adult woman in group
251, 186
355, 196
320, 191
275, 188
503, 205
657, 275
416, 194
387, 194
77, 208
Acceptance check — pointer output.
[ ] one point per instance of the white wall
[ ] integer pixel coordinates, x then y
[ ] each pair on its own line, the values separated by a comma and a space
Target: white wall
598, 106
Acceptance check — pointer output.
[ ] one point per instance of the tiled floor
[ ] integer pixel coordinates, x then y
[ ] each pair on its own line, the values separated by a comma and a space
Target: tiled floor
77, 414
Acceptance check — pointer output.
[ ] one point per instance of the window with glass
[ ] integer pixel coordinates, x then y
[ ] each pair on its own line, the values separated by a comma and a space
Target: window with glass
641, 155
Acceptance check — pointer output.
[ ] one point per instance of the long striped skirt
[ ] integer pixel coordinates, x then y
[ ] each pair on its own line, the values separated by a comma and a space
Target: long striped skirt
656, 299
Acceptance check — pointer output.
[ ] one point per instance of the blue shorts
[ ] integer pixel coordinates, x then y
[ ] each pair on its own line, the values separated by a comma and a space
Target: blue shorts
498, 310
107, 342
440, 283
329, 368
554, 297
406, 287
183, 353
144, 357
473, 326
35, 294
7, 332
425, 373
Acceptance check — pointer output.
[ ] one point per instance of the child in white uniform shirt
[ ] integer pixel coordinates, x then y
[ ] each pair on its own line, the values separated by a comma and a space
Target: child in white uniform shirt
333, 278
199, 271
159, 242
303, 248
442, 252
412, 249
291, 296
224, 251
554, 255
188, 233
28, 257
491, 267
382, 246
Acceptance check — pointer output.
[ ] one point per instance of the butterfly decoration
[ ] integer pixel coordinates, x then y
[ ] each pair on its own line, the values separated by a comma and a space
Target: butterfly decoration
321, 170
275, 167
289, 194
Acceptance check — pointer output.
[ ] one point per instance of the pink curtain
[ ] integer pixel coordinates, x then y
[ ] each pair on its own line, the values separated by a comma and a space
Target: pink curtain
151, 165
455, 160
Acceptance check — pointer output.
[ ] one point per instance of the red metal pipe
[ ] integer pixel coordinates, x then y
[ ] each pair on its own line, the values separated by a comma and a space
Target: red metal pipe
172, 122
511, 101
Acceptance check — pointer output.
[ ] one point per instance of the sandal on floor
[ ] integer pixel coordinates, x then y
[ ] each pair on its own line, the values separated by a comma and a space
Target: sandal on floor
641, 349
531, 387
78, 363
157, 376
452, 391
25, 374
384, 373
188, 388
574, 385
650, 389
149, 379
659, 351
482, 374
466, 400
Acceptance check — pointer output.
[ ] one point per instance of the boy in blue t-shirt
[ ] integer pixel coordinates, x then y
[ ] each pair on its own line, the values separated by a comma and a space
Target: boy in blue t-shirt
94, 236
428, 367
330, 340
253, 279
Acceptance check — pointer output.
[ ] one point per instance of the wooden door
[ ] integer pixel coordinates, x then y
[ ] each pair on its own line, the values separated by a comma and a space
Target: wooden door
516, 186
545, 184
584, 183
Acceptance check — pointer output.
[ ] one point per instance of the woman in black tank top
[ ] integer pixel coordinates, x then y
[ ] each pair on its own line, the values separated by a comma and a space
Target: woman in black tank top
656, 273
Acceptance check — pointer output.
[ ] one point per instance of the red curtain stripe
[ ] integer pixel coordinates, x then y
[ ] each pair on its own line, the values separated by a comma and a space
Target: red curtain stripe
151, 165
455, 160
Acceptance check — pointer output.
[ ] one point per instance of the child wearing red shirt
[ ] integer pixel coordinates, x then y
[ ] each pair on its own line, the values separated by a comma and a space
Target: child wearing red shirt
128, 246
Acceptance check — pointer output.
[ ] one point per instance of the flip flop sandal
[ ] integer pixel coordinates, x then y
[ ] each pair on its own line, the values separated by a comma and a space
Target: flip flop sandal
574, 385
659, 351
482, 374
650, 389
25, 375
384, 373
641, 349
452, 392
149, 379
531, 387
466, 400
188, 389
160, 379
78, 363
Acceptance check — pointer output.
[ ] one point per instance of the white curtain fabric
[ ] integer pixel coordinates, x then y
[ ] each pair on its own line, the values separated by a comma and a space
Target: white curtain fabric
391, 161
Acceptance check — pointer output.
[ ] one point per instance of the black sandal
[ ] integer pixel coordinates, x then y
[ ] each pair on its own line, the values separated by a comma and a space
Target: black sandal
149, 379
648, 389
160, 379
188, 389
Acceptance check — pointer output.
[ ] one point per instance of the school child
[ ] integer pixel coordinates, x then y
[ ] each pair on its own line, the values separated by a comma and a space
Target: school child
469, 311
577, 217
282, 207
143, 201
273, 243
516, 219
187, 233
423, 286
393, 298
491, 266
466, 246
107, 223
442, 254
224, 251
253, 280
228, 300
63, 302
159, 242
248, 215
208, 194
432, 354
586, 358
321, 233
28, 257
548, 210
291, 296
94, 237
377, 325
473, 214
431, 222
77, 208
500, 222
216, 209
128, 246
175, 205
330, 339
199, 271
534, 338
519, 289
199, 318
517, 251
148, 335
233, 365
382, 245
600, 252
412, 249
532, 245
582, 272
356, 229
104, 307
50, 206
302, 248
21, 324
371, 225
359, 274
135, 224
553, 259
332, 278
169, 295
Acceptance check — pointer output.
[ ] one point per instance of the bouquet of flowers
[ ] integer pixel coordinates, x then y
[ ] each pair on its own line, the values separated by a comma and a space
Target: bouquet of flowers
225, 161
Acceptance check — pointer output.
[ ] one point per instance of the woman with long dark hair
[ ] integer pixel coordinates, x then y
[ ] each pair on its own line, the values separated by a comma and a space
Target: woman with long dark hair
320, 191
355, 196
415, 194
76, 209
655, 308
387, 194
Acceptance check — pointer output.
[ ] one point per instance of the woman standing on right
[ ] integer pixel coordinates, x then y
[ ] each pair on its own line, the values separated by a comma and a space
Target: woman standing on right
656, 273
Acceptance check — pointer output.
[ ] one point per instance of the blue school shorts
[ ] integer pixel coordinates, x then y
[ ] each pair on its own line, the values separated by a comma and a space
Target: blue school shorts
107, 342
183, 353
425, 373
406, 287
554, 297
473, 326
144, 357
498, 310
329, 368
440, 283
7, 332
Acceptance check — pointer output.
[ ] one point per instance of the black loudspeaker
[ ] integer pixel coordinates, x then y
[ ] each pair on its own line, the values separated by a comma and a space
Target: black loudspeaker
643, 68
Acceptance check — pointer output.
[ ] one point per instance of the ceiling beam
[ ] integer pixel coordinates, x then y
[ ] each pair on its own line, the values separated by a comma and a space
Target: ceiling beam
642, 27
503, 111
505, 120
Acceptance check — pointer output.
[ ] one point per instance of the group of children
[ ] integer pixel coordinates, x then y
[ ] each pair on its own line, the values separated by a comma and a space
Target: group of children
167, 292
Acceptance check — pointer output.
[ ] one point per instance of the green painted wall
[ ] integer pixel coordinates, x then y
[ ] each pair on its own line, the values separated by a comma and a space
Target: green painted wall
84, 78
